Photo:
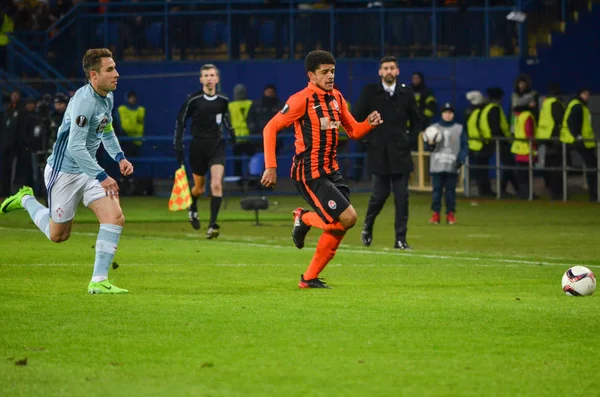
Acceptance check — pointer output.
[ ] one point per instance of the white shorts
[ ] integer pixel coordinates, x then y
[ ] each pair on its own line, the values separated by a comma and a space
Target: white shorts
66, 191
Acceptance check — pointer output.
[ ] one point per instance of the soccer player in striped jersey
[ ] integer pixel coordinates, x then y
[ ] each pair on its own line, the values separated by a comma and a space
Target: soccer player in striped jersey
73, 175
316, 113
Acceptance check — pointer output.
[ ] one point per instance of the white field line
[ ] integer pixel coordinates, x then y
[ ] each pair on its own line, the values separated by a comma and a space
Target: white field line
467, 256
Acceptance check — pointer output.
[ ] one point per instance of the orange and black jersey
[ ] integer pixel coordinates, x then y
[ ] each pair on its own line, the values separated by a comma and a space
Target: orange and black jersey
316, 115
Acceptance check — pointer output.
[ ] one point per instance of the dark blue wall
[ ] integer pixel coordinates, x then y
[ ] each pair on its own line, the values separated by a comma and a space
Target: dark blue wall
573, 58
163, 96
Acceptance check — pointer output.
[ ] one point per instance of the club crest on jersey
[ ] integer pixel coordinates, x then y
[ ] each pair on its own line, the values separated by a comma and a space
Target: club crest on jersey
219, 118
332, 204
285, 109
328, 124
102, 125
335, 105
81, 121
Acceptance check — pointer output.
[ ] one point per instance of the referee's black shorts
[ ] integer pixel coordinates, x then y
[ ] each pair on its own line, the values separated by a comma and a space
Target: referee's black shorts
204, 153
328, 195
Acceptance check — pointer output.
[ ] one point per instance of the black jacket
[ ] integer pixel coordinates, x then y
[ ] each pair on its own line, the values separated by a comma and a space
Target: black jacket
388, 145
13, 126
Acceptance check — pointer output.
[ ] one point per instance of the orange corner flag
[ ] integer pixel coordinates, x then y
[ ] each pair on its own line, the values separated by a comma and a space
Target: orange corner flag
180, 196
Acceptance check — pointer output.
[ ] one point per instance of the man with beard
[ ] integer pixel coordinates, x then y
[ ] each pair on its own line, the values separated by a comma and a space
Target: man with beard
389, 159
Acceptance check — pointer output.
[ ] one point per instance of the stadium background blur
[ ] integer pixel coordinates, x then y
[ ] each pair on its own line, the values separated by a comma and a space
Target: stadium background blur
159, 47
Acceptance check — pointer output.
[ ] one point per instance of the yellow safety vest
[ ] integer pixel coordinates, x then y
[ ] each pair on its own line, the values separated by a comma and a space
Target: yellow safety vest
547, 124
430, 98
475, 142
587, 132
6, 27
484, 123
239, 114
132, 121
522, 147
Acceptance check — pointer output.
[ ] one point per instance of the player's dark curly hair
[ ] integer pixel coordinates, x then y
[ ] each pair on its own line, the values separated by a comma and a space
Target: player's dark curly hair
314, 59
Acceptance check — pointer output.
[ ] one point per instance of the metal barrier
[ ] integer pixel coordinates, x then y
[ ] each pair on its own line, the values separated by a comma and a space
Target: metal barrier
531, 166
419, 180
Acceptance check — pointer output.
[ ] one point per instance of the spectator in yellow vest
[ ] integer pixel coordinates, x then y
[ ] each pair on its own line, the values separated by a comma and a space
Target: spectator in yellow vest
131, 118
577, 126
239, 109
6, 26
524, 145
550, 122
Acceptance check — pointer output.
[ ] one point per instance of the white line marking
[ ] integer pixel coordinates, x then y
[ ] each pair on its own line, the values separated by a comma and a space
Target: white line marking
344, 250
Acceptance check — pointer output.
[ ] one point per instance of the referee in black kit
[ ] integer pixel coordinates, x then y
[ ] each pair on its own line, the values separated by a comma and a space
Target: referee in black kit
389, 159
208, 111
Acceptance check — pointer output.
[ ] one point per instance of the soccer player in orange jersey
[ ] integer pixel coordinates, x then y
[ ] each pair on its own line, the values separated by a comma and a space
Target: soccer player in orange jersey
317, 112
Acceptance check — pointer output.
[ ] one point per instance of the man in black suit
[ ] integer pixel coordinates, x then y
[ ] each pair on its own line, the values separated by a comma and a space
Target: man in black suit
388, 146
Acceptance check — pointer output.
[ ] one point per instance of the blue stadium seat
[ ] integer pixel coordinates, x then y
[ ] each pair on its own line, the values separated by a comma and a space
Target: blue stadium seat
154, 35
266, 34
257, 164
214, 33
209, 34
112, 30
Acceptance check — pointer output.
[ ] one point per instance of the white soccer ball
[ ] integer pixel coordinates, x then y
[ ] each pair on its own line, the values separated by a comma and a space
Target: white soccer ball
432, 134
579, 281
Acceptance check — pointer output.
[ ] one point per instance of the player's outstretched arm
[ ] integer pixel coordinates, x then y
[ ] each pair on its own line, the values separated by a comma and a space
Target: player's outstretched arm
293, 110
355, 129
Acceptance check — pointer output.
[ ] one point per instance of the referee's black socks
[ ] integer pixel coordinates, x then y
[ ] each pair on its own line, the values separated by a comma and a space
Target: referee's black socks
215, 205
194, 201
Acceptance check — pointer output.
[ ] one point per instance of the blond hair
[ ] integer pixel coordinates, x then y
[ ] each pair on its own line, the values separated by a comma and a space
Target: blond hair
93, 59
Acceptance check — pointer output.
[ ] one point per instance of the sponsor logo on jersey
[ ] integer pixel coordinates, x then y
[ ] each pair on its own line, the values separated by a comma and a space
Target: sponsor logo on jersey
285, 109
328, 124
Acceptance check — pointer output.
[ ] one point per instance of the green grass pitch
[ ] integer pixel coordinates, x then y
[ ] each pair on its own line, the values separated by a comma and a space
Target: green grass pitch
476, 309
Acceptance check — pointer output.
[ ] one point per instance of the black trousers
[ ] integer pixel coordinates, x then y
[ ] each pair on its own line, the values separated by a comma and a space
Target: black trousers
507, 158
382, 186
481, 176
591, 162
553, 179
249, 149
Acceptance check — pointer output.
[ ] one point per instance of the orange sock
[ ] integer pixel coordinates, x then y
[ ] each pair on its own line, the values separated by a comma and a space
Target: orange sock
326, 248
313, 219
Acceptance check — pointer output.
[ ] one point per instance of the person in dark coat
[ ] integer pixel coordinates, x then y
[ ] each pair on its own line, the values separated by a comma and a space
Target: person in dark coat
389, 158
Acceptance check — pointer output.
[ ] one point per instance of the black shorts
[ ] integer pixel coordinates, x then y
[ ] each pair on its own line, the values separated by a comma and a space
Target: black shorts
205, 153
329, 195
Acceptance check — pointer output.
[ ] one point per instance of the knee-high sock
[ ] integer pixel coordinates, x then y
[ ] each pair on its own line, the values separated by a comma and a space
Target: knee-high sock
38, 213
326, 248
194, 202
215, 205
313, 219
106, 246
